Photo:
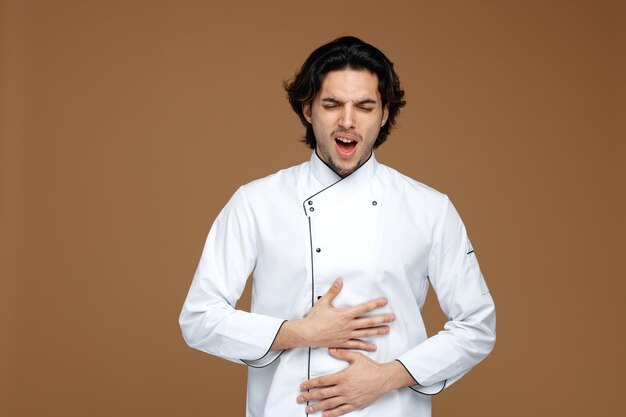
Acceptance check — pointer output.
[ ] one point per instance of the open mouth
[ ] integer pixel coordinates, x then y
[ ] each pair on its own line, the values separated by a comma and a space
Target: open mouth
345, 146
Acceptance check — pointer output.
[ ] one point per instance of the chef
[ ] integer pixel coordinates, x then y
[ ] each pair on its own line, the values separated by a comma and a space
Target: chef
342, 250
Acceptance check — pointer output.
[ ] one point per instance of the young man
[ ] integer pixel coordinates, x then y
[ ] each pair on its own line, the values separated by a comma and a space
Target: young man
342, 250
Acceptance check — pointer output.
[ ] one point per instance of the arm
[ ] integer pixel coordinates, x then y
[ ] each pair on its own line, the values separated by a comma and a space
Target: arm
469, 335
208, 320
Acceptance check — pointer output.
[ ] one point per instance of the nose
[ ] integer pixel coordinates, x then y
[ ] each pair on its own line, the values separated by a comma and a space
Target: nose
346, 120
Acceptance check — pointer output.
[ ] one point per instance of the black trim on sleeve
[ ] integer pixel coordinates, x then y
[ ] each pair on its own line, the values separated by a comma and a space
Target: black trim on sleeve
268, 351
420, 392
472, 251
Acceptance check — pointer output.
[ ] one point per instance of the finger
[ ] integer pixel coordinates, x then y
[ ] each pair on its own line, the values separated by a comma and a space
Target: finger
322, 381
374, 331
345, 355
339, 411
365, 308
333, 291
357, 344
330, 403
372, 321
317, 395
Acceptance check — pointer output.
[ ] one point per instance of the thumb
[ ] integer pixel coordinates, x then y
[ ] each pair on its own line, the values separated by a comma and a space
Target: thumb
333, 291
343, 354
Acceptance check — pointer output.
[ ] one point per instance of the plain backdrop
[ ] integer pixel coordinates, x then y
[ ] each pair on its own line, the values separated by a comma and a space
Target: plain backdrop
127, 125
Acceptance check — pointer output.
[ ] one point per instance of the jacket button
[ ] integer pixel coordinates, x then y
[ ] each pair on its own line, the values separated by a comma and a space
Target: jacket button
374, 203
311, 209
318, 250
310, 202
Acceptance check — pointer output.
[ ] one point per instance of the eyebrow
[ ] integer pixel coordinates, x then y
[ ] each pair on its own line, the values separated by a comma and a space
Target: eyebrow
335, 101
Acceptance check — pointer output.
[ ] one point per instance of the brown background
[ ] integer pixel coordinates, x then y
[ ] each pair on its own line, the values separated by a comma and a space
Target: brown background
127, 125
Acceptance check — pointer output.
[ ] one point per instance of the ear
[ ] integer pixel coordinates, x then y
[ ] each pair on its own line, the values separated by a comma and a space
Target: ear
385, 115
306, 111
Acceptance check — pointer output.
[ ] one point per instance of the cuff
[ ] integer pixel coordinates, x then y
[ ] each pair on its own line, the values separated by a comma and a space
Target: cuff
269, 357
433, 389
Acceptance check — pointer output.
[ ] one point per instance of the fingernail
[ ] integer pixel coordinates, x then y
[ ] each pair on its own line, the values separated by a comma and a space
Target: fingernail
300, 399
309, 409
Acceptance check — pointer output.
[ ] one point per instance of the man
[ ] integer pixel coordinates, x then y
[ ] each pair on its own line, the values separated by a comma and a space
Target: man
342, 250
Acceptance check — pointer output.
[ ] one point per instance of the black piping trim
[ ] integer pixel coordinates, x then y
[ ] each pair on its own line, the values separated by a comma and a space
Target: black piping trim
420, 392
268, 351
312, 266
320, 191
308, 374
472, 251
338, 181
308, 371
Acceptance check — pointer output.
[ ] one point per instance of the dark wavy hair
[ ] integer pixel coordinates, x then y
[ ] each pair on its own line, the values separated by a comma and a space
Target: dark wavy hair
346, 52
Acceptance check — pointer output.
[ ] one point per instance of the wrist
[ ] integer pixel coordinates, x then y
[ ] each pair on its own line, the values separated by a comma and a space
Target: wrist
397, 376
293, 334
301, 335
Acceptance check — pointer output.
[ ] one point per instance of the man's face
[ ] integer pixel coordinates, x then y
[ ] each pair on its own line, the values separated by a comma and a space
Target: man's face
346, 116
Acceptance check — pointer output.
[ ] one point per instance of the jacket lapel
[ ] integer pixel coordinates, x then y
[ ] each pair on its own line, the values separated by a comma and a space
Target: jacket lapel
335, 188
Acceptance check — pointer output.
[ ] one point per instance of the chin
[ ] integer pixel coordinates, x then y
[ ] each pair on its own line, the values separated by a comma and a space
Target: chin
344, 171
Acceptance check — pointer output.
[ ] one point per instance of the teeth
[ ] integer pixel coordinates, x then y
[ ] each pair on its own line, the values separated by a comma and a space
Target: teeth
344, 140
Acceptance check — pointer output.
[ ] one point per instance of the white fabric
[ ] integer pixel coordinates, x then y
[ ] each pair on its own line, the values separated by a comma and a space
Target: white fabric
385, 234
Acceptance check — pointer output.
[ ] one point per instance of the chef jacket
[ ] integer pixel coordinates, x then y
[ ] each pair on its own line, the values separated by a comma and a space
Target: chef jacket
299, 229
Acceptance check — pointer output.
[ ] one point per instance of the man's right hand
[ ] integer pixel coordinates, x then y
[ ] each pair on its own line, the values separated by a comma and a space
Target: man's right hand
340, 327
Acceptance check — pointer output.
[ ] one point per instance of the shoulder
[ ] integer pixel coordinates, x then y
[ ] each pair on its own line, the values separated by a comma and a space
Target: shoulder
419, 203
282, 181
407, 187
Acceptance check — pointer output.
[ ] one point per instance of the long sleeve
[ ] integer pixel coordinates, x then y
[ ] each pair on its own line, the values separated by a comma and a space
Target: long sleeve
209, 320
469, 334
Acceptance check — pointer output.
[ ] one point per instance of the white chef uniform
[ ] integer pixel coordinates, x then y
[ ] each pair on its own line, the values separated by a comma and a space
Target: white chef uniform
298, 230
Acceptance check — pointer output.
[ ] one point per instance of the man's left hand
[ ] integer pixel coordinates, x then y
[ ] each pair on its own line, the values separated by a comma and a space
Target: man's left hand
353, 388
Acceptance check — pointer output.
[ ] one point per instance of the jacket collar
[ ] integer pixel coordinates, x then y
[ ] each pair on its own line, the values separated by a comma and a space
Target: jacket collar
322, 172
335, 187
